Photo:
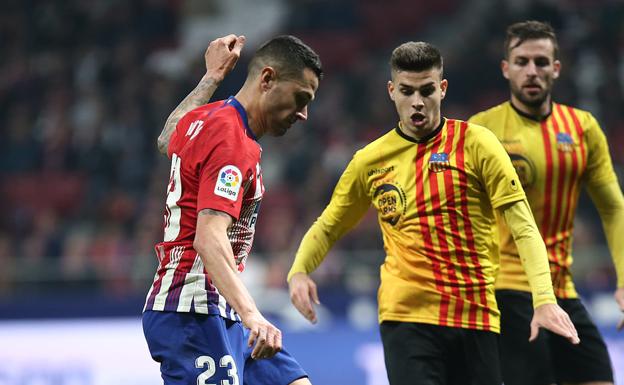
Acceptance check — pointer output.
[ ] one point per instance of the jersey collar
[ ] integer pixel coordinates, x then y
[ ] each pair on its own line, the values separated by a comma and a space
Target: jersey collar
532, 117
243, 114
424, 139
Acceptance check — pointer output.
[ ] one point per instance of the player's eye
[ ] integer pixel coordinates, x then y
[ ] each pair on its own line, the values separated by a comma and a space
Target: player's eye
521, 61
542, 62
426, 91
407, 91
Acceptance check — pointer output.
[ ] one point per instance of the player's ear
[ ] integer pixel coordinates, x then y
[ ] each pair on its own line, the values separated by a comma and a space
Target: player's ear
443, 87
556, 69
505, 68
267, 78
391, 90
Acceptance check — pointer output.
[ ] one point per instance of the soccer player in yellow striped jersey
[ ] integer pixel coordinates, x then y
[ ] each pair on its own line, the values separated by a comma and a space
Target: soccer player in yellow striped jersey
556, 149
435, 184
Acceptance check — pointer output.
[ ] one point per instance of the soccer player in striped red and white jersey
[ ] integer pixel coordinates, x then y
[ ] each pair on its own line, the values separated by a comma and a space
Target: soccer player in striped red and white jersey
435, 184
200, 322
556, 149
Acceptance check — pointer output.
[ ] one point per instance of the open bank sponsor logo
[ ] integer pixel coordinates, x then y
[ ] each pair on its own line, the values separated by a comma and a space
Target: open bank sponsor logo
228, 183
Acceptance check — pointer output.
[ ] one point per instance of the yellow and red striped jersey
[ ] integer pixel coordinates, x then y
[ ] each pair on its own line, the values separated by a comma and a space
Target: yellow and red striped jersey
553, 157
435, 200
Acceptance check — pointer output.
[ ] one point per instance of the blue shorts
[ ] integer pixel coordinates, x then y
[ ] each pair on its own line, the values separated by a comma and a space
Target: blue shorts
207, 349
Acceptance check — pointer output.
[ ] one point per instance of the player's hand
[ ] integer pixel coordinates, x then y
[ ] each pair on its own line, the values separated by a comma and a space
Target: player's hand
619, 298
267, 338
302, 293
222, 55
550, 316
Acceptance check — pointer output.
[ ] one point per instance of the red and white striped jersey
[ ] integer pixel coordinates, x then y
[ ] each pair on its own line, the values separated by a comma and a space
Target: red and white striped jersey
215, 164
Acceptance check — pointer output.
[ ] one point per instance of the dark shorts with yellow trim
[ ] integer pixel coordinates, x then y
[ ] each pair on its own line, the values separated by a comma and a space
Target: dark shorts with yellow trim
423, 354
551, 358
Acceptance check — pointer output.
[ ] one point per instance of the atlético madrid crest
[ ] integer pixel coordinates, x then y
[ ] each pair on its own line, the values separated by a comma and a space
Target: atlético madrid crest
565, 143
439, 162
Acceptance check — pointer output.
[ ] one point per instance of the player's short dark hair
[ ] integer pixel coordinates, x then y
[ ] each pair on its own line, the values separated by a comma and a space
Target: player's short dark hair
415, 56
529, 30
288, 55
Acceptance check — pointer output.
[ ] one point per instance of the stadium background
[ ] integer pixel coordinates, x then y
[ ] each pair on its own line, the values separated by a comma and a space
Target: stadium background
85, 88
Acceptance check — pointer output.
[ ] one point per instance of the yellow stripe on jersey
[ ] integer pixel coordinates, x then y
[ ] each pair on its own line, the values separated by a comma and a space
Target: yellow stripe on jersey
435, 203
552, 158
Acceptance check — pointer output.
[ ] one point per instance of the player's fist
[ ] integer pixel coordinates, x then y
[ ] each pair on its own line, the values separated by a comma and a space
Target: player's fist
550, 316
302, 293
266, 337
222, 54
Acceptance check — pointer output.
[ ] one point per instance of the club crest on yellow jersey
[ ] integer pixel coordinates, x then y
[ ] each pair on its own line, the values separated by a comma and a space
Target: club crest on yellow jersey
565, 143
439, 162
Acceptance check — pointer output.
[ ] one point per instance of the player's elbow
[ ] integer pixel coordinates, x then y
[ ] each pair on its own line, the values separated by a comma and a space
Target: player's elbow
161, 143
199, 244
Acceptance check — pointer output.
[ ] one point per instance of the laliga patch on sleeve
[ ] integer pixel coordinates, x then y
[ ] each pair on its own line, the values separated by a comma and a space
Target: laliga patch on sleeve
229, 182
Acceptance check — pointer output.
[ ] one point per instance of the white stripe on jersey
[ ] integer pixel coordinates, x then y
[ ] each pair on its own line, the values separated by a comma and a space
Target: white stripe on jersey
194, 289
174, 259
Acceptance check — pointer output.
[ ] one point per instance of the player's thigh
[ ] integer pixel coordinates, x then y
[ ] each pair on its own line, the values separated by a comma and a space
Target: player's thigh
522, 362
414, 353
281, 369
586, 362
195, 349
474, 359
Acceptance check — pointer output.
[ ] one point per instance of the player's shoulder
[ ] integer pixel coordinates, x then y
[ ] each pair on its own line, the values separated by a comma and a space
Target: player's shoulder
491, 114
585, 118
374, 147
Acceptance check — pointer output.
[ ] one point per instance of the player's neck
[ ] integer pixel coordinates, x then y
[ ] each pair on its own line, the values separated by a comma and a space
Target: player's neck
419, 134
535, 112
250, 105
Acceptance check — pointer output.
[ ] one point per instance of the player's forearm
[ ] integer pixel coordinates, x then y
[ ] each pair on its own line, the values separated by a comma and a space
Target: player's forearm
216, 254
198, 97
532, 251
313, 248
609, 201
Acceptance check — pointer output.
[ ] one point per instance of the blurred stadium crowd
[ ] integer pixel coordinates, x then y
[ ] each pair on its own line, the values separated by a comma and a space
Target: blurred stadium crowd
85, 88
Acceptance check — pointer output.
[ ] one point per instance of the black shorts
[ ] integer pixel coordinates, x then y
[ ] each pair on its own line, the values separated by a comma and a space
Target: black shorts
423, 354
550, 358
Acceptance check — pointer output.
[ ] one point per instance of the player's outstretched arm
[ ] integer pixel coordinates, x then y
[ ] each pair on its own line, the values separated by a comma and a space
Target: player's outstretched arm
302, 293
212, 244
609, 201
220, 57
547, 313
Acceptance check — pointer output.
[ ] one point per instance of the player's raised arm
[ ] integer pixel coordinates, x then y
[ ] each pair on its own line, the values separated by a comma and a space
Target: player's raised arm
220, 57
214, 248
532, 250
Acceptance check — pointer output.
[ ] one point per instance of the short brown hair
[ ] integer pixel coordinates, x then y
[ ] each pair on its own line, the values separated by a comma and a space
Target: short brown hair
530, 30
289, 55
415, 56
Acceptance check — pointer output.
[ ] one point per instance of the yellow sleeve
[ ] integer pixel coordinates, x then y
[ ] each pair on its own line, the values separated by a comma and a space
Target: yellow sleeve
498, 176
532, 251
348, 205
609, 201
599, 166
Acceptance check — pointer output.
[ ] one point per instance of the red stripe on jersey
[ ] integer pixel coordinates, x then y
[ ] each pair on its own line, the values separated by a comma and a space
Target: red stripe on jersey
560, 207
421, 151
579, 133
449, 187
463, 187
438, 217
